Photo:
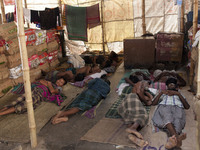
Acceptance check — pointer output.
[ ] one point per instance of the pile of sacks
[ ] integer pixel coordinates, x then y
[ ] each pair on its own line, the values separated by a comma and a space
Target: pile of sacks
42, 49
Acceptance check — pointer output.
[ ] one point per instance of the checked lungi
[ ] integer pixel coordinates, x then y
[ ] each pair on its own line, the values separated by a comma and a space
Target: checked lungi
132, 110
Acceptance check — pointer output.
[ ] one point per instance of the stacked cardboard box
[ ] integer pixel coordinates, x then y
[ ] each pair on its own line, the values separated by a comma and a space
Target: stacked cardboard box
42, 50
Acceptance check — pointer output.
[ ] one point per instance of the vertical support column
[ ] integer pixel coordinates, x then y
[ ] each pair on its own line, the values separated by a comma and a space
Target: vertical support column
3, 15
143, 17
182, 16
26, 74
102, 25
195, 18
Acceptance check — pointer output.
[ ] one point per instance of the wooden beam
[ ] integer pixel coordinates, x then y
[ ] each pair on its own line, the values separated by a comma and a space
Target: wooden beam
143, 17
102, 25
195, 18
3, 15
182, 16
26, 74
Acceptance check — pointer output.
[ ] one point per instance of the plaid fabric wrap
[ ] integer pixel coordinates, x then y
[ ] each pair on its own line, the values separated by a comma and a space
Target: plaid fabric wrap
158, 85
19, 89
112, 112
132, 110
86, 100
20, 103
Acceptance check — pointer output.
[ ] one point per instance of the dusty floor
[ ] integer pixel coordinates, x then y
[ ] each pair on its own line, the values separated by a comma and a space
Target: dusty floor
66, 136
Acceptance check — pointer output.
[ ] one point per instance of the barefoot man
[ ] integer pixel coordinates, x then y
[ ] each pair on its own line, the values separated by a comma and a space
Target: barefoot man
170, 113
134, 113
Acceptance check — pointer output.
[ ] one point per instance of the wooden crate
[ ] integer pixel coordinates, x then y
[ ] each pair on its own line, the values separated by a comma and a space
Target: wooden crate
169, 47
139, 52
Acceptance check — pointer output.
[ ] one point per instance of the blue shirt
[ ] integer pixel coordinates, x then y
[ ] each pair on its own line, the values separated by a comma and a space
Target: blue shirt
100, 86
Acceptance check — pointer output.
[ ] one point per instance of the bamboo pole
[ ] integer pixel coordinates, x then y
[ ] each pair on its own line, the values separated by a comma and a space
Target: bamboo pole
60, 8
25, 3
3, 15
182, 16
198, 74
143, 17
102, 26
195, 18
26, 75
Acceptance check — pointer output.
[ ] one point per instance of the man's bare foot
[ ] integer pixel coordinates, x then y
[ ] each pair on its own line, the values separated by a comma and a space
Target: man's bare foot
135, 132
183, 136
172, 142
59, 120
56, 116
137, 141
180, 138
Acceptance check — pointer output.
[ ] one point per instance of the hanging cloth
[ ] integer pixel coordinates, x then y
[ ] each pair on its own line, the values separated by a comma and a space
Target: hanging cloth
93, 16
27, 15
35, 16
76, 23
49, 18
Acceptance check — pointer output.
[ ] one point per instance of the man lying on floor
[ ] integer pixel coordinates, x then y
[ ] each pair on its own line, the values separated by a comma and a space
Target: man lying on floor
41, 91
170, 114
72, 74
97, 89
133, 112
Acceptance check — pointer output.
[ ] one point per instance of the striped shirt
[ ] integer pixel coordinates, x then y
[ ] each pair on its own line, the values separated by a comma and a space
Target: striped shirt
173, 100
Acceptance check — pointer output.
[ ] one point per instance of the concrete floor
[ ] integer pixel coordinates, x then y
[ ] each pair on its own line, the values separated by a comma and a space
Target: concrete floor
66, 136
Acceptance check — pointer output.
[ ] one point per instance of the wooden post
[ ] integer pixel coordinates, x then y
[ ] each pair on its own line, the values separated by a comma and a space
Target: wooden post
3, 15
25, 2
182, 16
143, 17
26, 75
198, 74
195, 18
60, 8
102, 25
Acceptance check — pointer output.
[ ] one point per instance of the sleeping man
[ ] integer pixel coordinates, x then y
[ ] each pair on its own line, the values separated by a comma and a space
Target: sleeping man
97, 89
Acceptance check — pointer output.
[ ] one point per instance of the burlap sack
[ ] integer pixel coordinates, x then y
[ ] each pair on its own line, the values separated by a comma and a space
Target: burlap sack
3, 61
54, 64
4, 73
41, 37
5, 86
52, 46
45, 67
17, 81
14, 60
31, 50
41, 48
8, 30
35, 74
16, 72
12, 46
30, 36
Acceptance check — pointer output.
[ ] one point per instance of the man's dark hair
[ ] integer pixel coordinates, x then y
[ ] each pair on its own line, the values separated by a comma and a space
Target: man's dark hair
100, 59
108, 63
64, 78
79, 77
134, 78
171, 80
88, 60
